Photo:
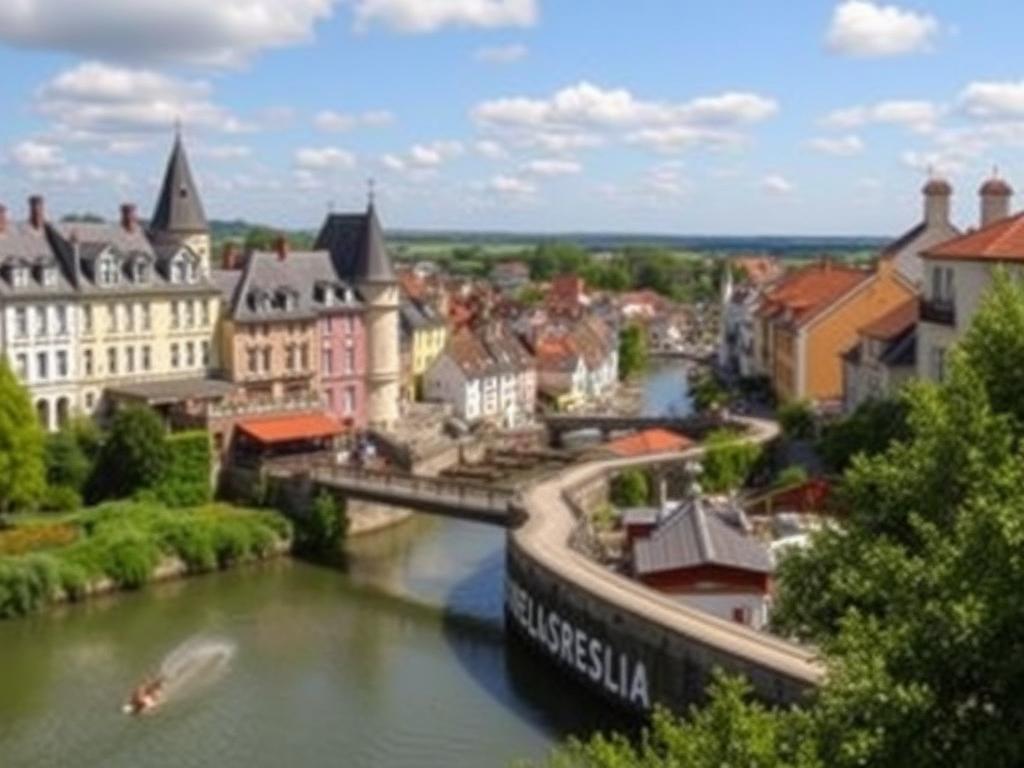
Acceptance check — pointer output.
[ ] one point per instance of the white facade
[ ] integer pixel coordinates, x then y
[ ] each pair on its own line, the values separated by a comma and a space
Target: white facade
750, 608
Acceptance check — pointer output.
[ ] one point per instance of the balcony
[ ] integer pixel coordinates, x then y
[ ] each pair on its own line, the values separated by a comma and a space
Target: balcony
938, 311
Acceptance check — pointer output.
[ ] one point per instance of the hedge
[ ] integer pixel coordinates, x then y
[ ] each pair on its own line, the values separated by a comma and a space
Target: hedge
186, 478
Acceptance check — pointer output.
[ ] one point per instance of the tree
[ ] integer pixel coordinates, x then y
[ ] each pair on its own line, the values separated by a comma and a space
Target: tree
728, 461
790, 476
71, 454
797, 420
22, 469
868, 430
324, 529
630, 489
632, 351
134, 456
707, 393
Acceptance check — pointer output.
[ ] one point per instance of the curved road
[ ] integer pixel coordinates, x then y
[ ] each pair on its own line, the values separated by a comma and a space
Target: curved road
545, 538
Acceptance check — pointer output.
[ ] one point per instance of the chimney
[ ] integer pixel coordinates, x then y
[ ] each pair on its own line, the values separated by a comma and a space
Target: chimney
3, 218
995, 200
231, 256
36, 211
281, 247
129, 219
937, 195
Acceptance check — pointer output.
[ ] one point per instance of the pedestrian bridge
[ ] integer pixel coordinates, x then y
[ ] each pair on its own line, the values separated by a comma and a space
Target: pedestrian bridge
691, 426
434, 495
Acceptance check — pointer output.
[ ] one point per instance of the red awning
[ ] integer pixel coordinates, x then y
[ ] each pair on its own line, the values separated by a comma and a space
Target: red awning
288, 429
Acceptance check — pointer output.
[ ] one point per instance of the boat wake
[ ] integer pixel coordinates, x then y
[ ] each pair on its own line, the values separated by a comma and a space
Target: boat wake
193, 666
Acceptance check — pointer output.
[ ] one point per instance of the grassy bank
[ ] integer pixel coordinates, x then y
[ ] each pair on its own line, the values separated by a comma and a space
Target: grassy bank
49, 558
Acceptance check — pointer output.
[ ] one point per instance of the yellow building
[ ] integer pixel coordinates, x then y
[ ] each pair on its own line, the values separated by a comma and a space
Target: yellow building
424, 336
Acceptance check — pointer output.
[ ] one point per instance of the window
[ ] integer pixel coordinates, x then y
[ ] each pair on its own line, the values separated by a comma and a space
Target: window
206, 353
190, 354
350, 324
328, 362
90, 399
190, 314
304, 357
204, 307
175, 315
252, 354
266, 358
938, 363
19, 277
175, 357
349, 405
942, 284
330, 399
87, 318
111, 318
42, 366
147, 319
20, 322
49, 276
87, 362
141, 272
22, 363
179, 271
129, 360
41, 329
146, 358
112, 360
62, 364
350, 360
129, 318
289, 357
62, 320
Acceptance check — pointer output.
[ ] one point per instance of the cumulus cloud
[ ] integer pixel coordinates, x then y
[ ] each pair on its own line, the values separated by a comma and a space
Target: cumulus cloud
324, 159
434, 154
679, 137
502, 54
552, 167
870, 30
223, 151
775, 184
490, 149
511, 185
919, 116
844, 146
994, 100
420, 16
331, 121
32, 154
98, 98
221, 33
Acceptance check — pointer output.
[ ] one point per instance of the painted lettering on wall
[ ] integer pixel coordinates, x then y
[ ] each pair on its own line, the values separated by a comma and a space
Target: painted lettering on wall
590, 656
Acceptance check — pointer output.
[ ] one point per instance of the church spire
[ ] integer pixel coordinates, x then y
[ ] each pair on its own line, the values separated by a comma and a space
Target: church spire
179, 209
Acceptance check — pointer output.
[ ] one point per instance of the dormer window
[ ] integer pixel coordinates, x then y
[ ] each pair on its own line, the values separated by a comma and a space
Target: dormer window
140, 273
19, 276
107, 271
49, 275
193, 272
179, 270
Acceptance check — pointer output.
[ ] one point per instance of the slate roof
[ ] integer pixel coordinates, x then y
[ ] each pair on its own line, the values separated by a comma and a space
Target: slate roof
357, 247
23, 245
179, 208
416, 316
696, 535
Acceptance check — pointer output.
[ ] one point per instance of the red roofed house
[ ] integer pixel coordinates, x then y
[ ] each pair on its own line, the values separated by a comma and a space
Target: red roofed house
959, 272
810, 318
883, 358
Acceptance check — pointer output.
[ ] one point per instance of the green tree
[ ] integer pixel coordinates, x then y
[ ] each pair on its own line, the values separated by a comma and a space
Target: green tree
630, 489
324, 529
868, 430
22, 469
71, 454
790, 476
707, 393
134, 456
632, 351
728, 461
797, 420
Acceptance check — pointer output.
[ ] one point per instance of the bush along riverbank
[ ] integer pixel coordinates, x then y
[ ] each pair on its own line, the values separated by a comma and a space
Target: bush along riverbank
46, 559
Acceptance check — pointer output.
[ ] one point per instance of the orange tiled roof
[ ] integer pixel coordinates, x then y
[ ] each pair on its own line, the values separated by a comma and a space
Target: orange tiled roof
894, 323
1001, 241
287, 429
648, 442
759, 269
807, 291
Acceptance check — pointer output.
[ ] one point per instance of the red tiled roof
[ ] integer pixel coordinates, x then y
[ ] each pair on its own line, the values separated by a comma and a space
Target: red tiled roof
759, 269
648, 442
1001, 241
287, 429
894, 323
808, 291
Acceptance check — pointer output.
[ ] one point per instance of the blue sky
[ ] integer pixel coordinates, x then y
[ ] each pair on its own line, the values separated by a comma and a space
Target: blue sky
672, 116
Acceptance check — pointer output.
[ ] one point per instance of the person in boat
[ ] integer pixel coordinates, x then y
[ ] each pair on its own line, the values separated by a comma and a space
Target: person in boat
146, 696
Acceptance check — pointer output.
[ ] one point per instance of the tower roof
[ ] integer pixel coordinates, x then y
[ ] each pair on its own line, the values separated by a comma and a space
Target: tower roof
938, 186
179, 208
996, 187
357, 246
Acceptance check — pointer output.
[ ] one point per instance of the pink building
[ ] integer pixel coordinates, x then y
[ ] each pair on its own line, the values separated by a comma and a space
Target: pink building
343, 357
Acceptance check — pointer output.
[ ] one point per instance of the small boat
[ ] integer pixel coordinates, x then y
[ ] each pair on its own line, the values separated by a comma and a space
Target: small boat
145, 698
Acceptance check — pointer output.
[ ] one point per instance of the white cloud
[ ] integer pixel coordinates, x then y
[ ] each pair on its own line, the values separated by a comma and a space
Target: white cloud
774, 184
420, 16
331, 121
324, 159
551, 141
988, 100
680, 137
31, 155
223, 151
916, 115
434, 154
490, 149
95, 98
393, 162
586, 104
552, 167
867, 29
224, 32
844, 146
502, 54
943, 163
511, 185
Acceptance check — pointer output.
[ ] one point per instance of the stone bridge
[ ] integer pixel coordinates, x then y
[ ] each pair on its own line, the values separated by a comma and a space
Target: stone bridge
692, 426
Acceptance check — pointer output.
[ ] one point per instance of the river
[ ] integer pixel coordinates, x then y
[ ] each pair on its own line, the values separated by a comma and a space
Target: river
397, 659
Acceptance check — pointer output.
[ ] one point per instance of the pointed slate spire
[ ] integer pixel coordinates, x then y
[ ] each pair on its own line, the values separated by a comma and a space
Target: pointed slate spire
375, 262
179, 210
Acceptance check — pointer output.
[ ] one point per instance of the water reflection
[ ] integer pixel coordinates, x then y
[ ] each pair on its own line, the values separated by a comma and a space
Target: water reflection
666, 390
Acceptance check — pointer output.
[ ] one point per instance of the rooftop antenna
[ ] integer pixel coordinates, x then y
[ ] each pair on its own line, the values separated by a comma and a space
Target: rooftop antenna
177, 126
371, 191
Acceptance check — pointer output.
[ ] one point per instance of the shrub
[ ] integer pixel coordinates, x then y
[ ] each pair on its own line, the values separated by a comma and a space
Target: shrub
185, 481
134, 456
630, 489
797, 420
791, 476
26, 584
23, 539
323, 530
728, 461
61, 498
129, 559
